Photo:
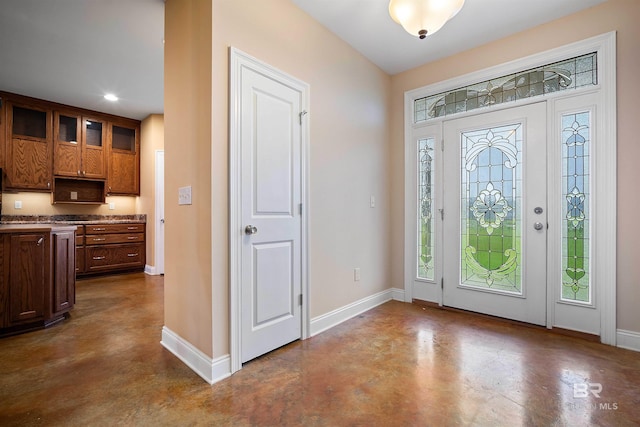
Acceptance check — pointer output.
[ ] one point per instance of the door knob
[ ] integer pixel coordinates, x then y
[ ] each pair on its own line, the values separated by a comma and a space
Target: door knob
538, 226
250, 229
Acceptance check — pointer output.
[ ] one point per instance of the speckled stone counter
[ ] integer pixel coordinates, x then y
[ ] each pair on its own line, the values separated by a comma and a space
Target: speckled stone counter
72, 219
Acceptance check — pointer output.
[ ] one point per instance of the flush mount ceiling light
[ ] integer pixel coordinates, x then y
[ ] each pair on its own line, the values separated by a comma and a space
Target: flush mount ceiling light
110, 97
423, 17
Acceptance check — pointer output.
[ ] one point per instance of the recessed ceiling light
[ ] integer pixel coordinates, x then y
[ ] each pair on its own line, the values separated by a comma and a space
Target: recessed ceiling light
110, 97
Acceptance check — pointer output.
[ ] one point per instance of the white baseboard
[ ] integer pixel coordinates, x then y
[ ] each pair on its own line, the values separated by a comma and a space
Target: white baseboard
397, 294
337, 316
211, 370
150, 270
628, 339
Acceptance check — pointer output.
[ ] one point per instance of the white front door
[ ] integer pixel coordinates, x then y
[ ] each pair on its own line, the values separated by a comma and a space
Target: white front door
270, 204
495, 207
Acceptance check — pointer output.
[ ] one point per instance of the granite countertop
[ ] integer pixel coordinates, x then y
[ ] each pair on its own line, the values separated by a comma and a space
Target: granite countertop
11, 228
72, 219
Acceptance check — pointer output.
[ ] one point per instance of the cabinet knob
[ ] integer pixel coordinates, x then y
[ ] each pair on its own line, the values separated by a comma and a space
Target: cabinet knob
79, 173
40, 240
48, 185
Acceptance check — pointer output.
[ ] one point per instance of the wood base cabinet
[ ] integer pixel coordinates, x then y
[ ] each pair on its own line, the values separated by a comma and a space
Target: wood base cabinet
37, 283
113, 248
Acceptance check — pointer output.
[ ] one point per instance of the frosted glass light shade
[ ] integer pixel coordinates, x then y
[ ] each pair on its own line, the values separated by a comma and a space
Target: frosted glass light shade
423, 17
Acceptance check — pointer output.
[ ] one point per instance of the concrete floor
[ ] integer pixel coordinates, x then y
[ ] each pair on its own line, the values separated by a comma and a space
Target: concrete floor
396, 365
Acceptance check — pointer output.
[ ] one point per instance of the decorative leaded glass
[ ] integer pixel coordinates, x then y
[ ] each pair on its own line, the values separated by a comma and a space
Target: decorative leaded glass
576, 130
425, 209
569, 74
491, 210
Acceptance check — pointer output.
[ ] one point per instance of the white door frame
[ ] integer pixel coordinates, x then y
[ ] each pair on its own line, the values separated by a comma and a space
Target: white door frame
605, 151
238, 61
158, 250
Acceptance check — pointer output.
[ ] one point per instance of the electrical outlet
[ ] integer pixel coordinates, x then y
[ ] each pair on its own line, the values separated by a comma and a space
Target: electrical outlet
356, 274
112, 206
184, 195
74, 195
17, 204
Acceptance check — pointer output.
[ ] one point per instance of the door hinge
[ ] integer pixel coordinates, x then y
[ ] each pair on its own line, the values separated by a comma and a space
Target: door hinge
300, 208
442, 145
302, 114
300, 302
441, 214
442, 283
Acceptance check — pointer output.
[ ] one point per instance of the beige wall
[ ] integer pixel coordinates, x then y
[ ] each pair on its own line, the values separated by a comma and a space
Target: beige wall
187, 132
151, 140
619, 15
349, 152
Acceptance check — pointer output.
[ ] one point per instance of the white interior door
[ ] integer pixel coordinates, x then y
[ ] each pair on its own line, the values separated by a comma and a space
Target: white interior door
495, 227
159, 224
270, 192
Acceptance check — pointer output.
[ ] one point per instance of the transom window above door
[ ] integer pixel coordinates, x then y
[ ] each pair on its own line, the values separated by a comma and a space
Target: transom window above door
571, 73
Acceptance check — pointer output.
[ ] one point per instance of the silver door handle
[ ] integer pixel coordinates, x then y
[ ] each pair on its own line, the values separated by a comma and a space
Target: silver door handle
538, 226
250, 229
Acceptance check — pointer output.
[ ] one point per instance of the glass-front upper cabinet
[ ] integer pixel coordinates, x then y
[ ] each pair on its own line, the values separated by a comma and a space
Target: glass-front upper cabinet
79, 146
124, 168
28, 149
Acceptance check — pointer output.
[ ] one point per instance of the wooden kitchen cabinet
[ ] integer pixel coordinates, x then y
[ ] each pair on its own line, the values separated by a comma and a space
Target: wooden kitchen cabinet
42, 142
79, 146
37, 282
114, 247
27, 278
63, 292
28, 140
124, 159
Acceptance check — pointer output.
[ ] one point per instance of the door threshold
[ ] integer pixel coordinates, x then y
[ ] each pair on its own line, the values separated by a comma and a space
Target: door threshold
559, 331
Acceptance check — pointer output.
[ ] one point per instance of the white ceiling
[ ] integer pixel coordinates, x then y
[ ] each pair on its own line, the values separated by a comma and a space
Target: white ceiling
75, 51
367, 26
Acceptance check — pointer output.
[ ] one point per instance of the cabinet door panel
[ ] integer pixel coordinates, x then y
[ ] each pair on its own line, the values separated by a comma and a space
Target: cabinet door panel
29, 165
123, 174
66, 159
94, 164
27, 278
64, 279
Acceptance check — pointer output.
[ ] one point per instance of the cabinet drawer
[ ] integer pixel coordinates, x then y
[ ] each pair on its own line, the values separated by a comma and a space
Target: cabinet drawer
111, 257
105, 239
114, 228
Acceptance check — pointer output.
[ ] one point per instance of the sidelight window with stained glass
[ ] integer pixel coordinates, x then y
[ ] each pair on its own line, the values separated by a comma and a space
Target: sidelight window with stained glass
576, 139
425, 208
491, 229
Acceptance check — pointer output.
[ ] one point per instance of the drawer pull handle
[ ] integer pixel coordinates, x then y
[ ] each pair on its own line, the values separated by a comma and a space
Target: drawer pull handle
132, 237
132, 228
99, 229
40, 240
132, 255
98, 239
98, 258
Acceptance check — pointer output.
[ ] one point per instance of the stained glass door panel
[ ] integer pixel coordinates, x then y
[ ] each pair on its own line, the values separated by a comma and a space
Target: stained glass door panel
495, 226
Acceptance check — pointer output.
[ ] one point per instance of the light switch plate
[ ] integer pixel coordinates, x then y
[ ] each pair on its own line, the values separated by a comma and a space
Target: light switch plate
17, 204
112, 205
184, 195
74, 195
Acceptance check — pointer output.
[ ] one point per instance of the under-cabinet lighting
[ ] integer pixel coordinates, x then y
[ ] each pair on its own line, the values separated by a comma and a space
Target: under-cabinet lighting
110, 97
